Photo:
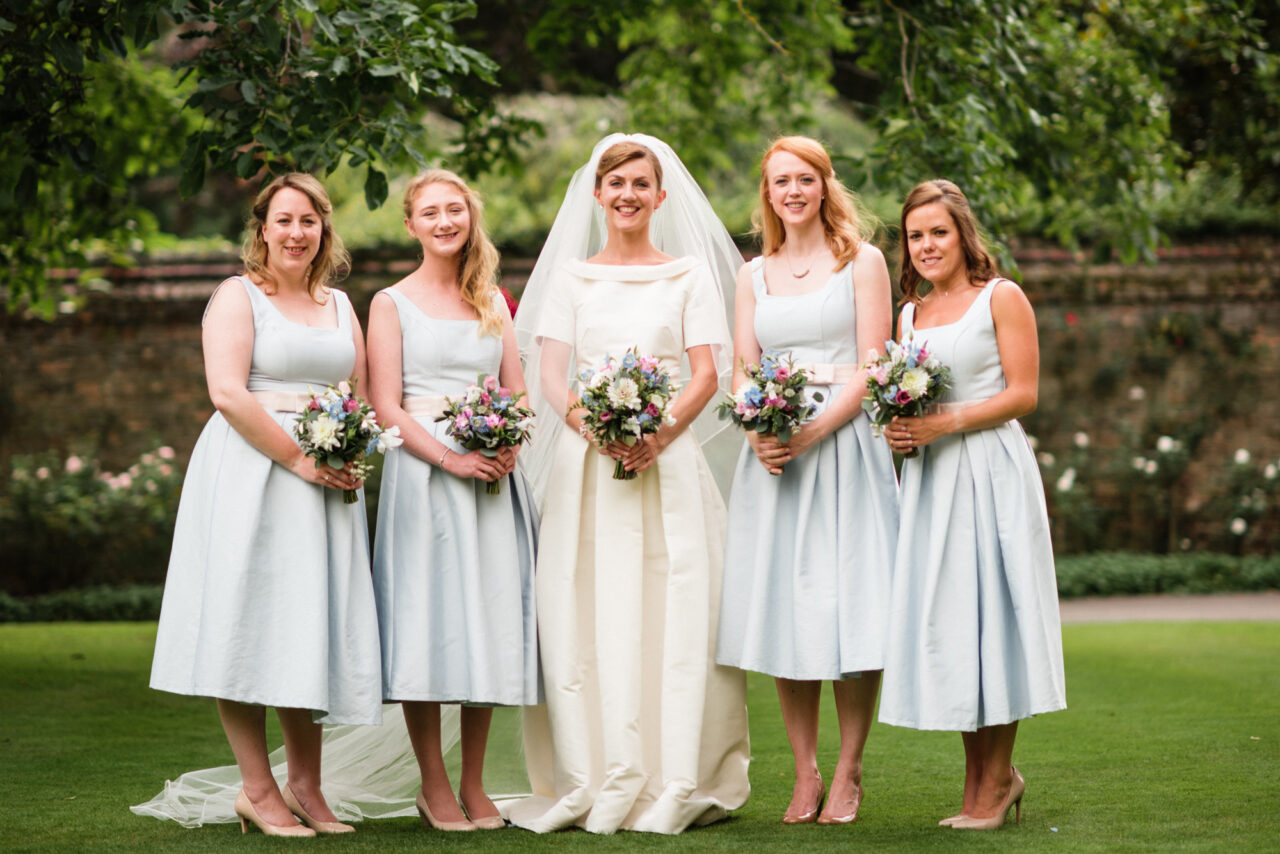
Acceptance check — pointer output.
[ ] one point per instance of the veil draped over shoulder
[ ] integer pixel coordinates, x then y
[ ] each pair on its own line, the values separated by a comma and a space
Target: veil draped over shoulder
371, 771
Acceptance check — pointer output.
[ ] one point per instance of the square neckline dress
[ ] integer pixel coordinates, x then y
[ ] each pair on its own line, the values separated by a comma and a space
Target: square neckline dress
975, 638
268, 597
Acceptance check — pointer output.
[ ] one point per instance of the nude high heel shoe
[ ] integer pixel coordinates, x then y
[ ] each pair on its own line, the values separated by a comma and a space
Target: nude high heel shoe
847, 818
490, 822
810, 815
951, 819
245, 810
430, 821
295, 807
1013, 799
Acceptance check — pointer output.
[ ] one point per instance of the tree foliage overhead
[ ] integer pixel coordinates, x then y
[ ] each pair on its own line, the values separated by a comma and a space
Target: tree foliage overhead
1071, 118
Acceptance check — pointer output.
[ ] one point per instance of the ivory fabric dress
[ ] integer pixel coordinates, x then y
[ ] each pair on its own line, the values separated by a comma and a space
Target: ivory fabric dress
452, 565
974, 636
268, 597
641, 730
809, 556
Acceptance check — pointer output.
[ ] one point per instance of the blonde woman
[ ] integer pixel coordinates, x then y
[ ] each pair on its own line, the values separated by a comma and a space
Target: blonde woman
453, 565
268, 599
813, 521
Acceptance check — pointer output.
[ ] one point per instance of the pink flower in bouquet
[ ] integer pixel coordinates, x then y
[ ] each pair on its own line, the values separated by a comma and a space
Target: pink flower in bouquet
490, 383
492, 420
350, 405
903, 396
605, 416
486, 399
652, 410
314, 405
880, 373
344, 388
461, 422
781, 375
774, 401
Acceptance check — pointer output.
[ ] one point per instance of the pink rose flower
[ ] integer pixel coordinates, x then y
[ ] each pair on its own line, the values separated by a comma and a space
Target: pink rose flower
903, 396
781, 374
350, 405
166, 453
491, 383
344, 387
74, 464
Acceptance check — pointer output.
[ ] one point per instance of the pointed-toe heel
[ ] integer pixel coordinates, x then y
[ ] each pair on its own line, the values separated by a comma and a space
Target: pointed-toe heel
810, 815
1014, 799
430, 821
295, 807
489, 822
249, 815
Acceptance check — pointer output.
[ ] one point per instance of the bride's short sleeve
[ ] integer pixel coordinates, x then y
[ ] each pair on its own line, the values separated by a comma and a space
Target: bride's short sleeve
704, 313
557, 321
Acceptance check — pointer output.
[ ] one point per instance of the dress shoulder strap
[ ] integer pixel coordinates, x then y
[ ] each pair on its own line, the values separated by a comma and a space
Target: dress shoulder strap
757, 276
907, 319
254, 295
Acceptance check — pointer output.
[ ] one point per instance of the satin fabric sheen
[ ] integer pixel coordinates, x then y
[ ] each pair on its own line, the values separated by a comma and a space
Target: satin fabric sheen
641, 729
974, 639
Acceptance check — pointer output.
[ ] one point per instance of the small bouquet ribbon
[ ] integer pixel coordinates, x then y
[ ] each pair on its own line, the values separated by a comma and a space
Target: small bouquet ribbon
903, 381
487, 418
338, 428
626, 400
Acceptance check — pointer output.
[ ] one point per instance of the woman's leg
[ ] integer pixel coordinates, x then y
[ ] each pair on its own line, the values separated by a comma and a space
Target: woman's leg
302, 751
996, 776
800, 700
475, 738
855, 709
246, 729
423, 722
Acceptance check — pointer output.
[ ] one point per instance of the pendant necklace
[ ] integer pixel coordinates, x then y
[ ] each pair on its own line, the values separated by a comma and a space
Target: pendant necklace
800, 275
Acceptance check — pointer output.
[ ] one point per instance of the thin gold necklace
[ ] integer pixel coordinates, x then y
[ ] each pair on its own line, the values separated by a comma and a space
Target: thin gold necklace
792, 268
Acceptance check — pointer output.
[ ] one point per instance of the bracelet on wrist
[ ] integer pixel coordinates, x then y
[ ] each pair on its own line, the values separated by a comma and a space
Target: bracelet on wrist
442, 456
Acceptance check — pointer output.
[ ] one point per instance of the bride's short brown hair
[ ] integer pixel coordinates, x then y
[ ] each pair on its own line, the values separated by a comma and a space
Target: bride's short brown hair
624, 152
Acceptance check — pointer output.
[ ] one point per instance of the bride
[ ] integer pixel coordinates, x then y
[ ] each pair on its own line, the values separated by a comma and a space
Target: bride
641, 729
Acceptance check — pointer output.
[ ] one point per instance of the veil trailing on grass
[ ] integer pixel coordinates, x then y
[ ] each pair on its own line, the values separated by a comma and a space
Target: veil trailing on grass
368, 772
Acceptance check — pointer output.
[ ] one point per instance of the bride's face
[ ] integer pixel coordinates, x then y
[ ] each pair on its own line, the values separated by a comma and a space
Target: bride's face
441, 220
630, 195
795, 188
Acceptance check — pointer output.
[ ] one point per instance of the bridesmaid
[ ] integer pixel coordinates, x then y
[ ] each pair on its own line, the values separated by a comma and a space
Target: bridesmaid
974, 640
453, 565
813, 521
268, 600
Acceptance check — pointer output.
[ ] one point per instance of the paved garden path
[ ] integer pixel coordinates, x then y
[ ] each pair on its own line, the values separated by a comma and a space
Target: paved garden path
1220, 606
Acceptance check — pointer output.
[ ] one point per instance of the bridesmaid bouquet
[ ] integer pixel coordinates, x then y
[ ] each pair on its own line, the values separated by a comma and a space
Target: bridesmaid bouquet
772, 400
903, 381
337, 428
625, 401
486, 418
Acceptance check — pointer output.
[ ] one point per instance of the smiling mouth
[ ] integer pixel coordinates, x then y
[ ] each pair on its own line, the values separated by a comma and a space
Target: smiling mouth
296, 250
627, 210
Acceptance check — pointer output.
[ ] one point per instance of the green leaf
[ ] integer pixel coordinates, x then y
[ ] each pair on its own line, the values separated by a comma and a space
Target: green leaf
375, 188
335, 461
249, 91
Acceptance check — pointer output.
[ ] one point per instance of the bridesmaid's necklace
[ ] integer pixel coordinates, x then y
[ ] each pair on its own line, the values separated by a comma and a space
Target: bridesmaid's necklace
800, 275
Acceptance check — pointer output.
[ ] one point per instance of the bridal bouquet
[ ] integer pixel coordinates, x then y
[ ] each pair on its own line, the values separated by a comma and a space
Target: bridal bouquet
626, 400
772, 400
337, 428
486, 418
903, 381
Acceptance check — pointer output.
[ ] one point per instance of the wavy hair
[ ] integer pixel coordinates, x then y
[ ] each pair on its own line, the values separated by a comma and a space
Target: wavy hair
979, 264
478, 259
845, 221
332, 261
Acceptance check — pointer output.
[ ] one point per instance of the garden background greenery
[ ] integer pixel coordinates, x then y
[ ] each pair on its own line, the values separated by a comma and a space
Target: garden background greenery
135, 131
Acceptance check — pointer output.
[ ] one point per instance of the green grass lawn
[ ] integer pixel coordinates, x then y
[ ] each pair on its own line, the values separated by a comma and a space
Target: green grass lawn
1172, 742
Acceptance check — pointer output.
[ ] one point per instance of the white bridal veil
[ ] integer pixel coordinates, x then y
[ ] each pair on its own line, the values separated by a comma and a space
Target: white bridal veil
371, 771
684, 225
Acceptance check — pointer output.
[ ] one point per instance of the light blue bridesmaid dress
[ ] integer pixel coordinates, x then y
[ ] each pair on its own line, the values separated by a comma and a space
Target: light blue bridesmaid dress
974, 634
809, 552
453, 565
268, 598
